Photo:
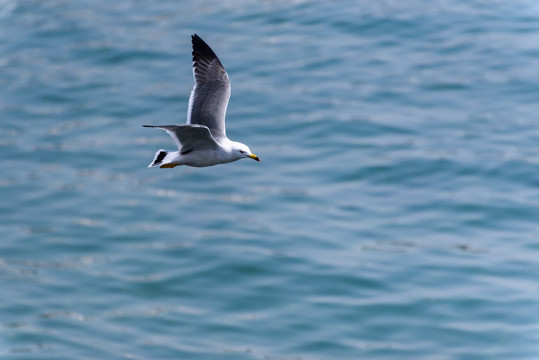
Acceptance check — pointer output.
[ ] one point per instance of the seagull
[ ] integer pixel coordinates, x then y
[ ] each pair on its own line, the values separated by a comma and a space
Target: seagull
202, 140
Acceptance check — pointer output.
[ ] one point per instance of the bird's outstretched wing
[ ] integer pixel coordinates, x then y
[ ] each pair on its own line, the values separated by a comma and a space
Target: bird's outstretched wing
209, 98
190, 137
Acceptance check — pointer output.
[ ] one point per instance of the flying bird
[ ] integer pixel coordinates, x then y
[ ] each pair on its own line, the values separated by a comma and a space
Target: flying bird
202, 140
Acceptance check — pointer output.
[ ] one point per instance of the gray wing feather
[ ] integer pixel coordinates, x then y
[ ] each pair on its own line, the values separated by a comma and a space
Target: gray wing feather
190, 137
209, 98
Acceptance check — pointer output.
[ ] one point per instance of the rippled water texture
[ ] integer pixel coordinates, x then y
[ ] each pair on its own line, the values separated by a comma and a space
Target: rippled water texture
394, 214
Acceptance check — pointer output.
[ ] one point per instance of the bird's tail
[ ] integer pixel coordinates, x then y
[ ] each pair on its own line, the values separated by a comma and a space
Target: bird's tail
164, 158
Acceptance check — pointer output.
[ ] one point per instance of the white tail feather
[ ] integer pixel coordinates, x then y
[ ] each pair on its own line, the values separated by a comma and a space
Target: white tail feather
163, 157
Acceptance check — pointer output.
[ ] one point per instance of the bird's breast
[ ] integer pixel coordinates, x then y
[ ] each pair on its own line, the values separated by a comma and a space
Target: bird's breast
207, 158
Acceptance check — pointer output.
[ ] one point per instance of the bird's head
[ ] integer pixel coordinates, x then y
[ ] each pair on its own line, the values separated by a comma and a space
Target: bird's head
242, 150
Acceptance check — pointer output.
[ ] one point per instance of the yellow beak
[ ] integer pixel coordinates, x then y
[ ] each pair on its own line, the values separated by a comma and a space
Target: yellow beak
254, 157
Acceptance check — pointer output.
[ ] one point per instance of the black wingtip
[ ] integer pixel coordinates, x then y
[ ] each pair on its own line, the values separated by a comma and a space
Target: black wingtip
201, 50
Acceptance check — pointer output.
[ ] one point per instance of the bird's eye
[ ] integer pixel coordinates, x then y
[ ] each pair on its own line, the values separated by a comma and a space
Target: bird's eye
241, 151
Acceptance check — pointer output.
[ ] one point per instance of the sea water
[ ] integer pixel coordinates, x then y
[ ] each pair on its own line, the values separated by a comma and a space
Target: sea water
394, 214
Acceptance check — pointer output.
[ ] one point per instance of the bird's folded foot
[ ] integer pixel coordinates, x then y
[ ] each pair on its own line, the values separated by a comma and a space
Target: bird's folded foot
168, 166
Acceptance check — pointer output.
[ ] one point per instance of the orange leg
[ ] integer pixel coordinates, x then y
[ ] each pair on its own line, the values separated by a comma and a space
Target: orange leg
168, 166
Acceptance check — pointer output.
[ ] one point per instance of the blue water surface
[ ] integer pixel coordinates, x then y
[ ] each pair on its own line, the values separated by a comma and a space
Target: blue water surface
394, 215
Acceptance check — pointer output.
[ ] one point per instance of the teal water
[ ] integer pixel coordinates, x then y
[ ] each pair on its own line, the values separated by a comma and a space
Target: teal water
394, 214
